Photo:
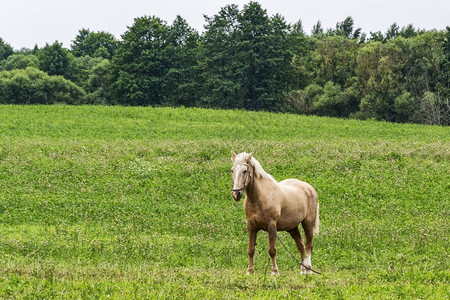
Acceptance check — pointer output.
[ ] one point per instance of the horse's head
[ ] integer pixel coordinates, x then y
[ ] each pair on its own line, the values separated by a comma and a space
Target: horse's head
241, 173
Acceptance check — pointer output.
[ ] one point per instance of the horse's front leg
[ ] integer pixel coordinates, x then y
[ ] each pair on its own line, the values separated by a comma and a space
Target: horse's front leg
272, 230
251, 248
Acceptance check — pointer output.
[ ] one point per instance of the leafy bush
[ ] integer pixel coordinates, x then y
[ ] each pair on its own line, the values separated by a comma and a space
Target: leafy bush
19, 61
405, 105
32, 86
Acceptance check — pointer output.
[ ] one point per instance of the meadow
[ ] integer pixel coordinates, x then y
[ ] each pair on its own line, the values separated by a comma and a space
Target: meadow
135, 203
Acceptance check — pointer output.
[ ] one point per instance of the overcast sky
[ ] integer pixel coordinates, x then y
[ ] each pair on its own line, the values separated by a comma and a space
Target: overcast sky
24, 23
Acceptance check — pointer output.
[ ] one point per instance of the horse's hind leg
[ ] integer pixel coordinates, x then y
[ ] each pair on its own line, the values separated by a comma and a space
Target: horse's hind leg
308, 227
272, 230
295, 234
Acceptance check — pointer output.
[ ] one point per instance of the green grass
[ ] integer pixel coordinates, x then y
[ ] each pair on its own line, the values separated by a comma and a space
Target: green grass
124, 202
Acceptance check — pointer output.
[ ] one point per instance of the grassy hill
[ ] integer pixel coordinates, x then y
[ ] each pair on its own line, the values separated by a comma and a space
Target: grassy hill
126, 202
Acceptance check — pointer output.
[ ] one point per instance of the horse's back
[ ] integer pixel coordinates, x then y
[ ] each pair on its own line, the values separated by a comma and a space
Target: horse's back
297, 187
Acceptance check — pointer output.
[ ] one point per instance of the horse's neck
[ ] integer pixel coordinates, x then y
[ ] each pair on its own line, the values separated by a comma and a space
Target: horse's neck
256, 189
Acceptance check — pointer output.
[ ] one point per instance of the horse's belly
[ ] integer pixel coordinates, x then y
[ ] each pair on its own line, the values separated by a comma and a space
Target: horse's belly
291, 220
294, 206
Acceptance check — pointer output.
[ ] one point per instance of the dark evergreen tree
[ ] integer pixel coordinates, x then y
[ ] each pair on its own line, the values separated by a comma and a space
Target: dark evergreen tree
156, 64
220, 69
181, 83
140, 65
246, 58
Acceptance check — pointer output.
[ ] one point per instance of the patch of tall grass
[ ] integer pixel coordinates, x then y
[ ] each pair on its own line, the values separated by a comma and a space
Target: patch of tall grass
135, 202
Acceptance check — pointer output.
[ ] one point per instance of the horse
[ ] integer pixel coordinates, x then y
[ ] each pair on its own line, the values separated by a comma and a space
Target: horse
275, 206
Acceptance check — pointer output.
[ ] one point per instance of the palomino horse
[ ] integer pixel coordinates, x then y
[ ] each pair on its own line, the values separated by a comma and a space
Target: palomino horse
275, 206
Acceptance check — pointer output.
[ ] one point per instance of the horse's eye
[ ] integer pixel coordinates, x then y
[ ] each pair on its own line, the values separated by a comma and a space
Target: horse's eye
245, 171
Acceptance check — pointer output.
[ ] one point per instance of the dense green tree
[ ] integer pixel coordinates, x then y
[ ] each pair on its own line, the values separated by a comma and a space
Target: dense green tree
99, 84
388, 78
405, 106
264, 63
409, 31
317, 30
298, 50
56, 60
180, 85
345, 29
245, 58
217, 61
5, 50
397, 74
303, 101
297, 28
393, 31
445, 65
334, 60
218, 65
95, 44
427, 77
85, 66
379, 67
427, 59
140, 64
376, 36
330, 101
79, 46
155, 64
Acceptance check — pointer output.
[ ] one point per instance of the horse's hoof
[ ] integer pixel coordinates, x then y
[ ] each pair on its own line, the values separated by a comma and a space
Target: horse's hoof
305, 271
275, 273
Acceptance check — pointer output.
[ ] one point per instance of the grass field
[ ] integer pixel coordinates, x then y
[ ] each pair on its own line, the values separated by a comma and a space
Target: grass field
121, 202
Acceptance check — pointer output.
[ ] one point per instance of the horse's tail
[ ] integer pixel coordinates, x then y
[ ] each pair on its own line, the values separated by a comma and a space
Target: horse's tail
317, 223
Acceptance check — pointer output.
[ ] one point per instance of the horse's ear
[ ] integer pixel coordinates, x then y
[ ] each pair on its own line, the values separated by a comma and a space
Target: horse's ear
233, 155
249, 157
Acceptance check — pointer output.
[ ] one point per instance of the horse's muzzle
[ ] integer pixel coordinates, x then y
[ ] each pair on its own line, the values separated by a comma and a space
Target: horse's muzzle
237, 195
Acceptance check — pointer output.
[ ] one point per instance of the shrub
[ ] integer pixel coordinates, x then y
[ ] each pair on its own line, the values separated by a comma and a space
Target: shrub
405, 106
19, 61
32, 86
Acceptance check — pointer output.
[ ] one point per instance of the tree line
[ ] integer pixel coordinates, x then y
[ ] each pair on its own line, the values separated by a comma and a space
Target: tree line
244, 59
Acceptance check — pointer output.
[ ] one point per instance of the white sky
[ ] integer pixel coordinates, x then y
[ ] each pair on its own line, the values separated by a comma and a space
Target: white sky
24, 23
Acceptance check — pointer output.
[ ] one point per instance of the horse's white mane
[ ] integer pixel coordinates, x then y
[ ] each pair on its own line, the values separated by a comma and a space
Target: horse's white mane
259, 171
